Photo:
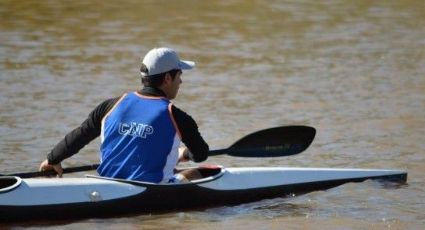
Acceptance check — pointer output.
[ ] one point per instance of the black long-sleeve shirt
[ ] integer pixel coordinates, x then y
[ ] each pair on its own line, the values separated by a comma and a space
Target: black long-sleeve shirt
91, 128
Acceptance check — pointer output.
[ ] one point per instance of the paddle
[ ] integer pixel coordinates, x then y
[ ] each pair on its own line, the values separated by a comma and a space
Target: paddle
53, 173
272, 142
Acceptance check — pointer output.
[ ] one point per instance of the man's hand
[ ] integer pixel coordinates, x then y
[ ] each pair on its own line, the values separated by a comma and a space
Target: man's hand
183, 154
44, 166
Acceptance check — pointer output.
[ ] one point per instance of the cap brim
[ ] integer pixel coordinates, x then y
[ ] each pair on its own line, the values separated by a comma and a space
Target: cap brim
186, 64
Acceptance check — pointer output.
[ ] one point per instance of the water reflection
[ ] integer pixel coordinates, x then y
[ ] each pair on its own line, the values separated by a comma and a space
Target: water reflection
353, 70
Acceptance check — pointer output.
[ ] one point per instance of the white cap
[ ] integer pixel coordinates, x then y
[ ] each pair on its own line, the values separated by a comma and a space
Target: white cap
161, 60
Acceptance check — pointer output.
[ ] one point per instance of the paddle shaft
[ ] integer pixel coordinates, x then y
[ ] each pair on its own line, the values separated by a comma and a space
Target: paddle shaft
76, 169
273, 142
53, 173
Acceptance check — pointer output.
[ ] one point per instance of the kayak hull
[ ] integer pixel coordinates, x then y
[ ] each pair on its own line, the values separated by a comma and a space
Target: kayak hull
69, 198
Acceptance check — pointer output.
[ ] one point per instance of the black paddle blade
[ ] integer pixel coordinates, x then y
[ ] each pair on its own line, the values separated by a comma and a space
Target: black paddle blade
274, 142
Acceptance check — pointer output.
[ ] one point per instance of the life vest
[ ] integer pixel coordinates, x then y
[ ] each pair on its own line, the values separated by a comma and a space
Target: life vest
139, 139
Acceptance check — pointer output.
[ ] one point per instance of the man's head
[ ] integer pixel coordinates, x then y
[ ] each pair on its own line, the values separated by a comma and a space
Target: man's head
161, 68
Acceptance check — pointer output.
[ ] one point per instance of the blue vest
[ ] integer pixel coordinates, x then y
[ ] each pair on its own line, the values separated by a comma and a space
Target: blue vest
139, 140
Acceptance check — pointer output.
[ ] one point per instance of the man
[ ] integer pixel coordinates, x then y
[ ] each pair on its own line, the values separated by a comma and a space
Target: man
141, 131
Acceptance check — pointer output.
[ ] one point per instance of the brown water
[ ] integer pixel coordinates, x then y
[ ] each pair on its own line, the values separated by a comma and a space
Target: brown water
355, 70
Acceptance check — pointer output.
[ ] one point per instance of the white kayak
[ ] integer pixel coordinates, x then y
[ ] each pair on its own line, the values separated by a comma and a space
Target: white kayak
93, 196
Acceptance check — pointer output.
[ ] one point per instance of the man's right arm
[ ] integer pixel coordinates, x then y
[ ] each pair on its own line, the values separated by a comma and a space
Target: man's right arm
191, 137
82, 135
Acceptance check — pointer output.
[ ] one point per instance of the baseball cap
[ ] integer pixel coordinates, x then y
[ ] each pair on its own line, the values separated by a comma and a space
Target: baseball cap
161, 60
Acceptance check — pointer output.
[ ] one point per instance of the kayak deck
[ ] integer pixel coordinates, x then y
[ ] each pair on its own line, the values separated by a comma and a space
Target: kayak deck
93, 196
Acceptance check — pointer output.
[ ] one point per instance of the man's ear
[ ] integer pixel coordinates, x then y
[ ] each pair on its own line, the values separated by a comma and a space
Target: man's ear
168, 79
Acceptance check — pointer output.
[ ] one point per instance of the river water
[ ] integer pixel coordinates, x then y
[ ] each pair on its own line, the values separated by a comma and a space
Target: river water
354, 70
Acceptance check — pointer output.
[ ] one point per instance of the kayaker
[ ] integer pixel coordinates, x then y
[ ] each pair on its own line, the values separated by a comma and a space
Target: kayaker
141, 131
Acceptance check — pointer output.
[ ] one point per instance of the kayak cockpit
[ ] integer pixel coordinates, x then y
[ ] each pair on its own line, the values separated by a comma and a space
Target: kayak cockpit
9, 183
208, 173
